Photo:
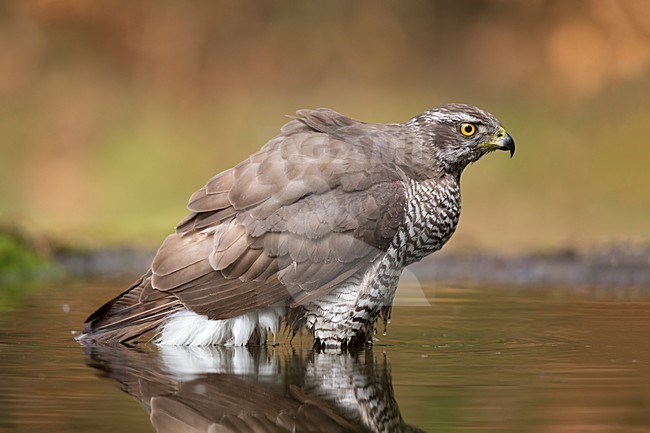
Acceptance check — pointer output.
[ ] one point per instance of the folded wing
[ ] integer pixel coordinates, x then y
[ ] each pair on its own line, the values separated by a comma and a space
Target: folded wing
316, 205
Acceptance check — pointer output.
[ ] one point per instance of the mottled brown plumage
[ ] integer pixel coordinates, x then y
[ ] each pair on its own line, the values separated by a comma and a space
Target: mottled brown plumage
316, 209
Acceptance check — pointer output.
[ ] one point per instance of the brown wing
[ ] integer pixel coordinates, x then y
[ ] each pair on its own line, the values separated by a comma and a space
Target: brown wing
313, 207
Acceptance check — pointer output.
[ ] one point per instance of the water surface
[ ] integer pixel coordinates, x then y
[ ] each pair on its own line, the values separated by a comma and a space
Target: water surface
475, 358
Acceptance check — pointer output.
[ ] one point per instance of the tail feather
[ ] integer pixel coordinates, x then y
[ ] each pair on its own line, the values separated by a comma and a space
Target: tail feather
133, 313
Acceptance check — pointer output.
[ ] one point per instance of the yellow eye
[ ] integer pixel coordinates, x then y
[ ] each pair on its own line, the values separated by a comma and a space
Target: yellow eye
468, 129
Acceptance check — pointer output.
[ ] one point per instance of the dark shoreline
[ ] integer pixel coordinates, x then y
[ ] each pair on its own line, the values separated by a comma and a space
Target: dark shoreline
611, 267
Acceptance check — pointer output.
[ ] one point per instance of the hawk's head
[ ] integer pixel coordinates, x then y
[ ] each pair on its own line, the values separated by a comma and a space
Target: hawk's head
460, 134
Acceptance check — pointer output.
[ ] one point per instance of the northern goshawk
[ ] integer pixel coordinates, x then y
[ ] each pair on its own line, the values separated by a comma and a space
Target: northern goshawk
312, 230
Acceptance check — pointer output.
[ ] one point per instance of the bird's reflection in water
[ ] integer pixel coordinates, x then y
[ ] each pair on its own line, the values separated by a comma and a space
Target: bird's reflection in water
221, 389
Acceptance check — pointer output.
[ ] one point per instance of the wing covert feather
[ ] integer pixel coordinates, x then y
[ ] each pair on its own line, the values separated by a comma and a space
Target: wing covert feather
312, 208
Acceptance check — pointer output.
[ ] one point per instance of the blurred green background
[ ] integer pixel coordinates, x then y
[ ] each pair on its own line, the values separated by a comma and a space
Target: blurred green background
113, 113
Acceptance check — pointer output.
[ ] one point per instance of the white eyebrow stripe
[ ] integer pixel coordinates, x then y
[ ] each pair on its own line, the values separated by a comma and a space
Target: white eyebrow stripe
454, 117
464, 117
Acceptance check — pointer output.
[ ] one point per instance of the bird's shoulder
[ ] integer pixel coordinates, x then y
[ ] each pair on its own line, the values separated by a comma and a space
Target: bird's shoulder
320, 158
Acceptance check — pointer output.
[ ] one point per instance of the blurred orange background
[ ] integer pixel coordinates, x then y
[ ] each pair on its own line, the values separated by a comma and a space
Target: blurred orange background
113, 113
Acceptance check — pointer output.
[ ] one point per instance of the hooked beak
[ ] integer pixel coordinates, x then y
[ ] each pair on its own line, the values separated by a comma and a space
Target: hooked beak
505, 142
